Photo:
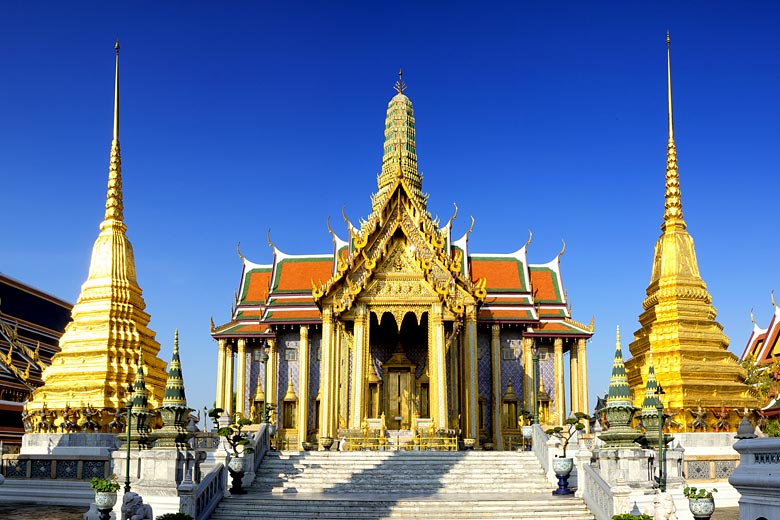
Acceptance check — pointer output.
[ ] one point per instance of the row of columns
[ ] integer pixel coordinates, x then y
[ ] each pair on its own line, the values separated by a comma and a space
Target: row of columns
437, 352
578, 377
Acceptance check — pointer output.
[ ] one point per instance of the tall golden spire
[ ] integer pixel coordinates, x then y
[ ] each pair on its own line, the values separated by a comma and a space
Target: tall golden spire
678, 321
109, 333
673, 214
114, 205
399, 160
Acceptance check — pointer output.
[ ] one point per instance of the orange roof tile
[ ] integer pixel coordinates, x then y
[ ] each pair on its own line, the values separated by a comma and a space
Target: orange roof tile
255, 287
296, 274
545, 286
293, 315
488, 314
502, 273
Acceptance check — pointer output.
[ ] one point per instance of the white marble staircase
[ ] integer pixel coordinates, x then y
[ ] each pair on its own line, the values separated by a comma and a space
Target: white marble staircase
402, 484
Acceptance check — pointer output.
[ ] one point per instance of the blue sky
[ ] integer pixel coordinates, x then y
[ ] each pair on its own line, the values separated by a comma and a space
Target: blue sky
255, 115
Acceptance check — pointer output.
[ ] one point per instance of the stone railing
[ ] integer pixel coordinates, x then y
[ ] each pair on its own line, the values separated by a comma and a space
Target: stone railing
539, 441
209, 492
260, 443
596, 493
205, 441
61, 467
757, 478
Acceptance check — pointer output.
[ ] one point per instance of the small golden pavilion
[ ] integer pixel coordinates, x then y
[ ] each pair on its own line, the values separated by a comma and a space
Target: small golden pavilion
401, 322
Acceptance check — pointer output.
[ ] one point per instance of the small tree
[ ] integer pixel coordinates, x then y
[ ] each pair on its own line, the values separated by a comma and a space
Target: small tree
572, 425
236, 438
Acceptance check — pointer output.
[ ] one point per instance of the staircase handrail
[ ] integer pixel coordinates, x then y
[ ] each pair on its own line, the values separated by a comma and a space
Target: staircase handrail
210, 491
539, 441
596, 493
260, 443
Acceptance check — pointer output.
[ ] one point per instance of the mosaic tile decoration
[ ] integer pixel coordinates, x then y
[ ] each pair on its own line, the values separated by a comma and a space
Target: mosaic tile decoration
485, 377
16, 468
67, 469
41, 469
724, 468
513, 368
93, 468
698, 470
315, 341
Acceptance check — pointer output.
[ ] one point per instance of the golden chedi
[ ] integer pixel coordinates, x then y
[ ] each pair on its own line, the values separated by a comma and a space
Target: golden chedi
691, 357
100, 348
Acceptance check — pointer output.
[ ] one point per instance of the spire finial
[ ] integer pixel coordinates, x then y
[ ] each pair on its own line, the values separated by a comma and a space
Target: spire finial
400, 86
114, 204
673, 204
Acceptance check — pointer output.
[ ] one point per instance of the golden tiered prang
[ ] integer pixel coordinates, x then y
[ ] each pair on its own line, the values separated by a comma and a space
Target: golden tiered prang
691, 357
100, 348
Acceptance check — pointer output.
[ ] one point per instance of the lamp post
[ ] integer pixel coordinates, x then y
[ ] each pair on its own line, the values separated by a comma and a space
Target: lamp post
263, 358
127, 429
659, 406
535, 362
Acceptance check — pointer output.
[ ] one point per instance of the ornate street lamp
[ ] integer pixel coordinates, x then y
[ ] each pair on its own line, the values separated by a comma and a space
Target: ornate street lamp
535, 362
660, 407
127, 429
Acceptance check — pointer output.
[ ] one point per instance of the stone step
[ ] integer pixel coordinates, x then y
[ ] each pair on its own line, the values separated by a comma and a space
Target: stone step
530, 506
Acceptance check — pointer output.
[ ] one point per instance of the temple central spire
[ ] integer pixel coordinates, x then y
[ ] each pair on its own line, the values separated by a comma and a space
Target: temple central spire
673, 214
114, 205
400, 151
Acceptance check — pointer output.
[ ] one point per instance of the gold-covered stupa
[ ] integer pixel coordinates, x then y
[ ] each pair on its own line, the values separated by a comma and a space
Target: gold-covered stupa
691, 357
100, 348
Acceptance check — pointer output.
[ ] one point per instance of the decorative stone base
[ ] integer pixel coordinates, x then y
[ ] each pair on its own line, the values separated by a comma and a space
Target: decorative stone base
69, 444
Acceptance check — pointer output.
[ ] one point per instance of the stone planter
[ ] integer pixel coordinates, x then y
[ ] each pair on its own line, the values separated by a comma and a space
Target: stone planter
307, 446
326, 442
528, 432
105, 501
488, 446
562, 467
701, 508
469, 443
237, 466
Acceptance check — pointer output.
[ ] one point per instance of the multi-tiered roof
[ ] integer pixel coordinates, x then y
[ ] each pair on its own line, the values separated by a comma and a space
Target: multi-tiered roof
506, 287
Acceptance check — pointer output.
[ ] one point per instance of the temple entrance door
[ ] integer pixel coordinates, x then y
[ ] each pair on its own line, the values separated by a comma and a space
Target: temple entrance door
399, 398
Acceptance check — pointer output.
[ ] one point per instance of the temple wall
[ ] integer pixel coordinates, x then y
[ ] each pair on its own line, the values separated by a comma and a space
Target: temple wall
485, 377
512, 367
315, 358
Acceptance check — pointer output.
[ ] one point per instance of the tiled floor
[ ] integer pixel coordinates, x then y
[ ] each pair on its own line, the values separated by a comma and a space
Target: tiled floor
39, 512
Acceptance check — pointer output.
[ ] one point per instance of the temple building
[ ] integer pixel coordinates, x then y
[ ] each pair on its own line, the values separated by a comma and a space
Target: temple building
689, 349
31, 323
402, 324
100, 349
763, 350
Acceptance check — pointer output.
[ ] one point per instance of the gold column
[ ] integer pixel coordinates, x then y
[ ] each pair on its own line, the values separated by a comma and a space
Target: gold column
220, 402
470, 383
359, 367
495, 350
303, 385
433, 384
241, 378
574, 378
583, 366
327, 376
436, 324
341, 366
560, 386
228, 388
528, 372
272, 382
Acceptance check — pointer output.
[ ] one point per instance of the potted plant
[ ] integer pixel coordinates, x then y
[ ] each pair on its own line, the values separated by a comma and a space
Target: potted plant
527, 428
700, 502
562, 465
239, 446
631, 516
214, 414
105, 491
